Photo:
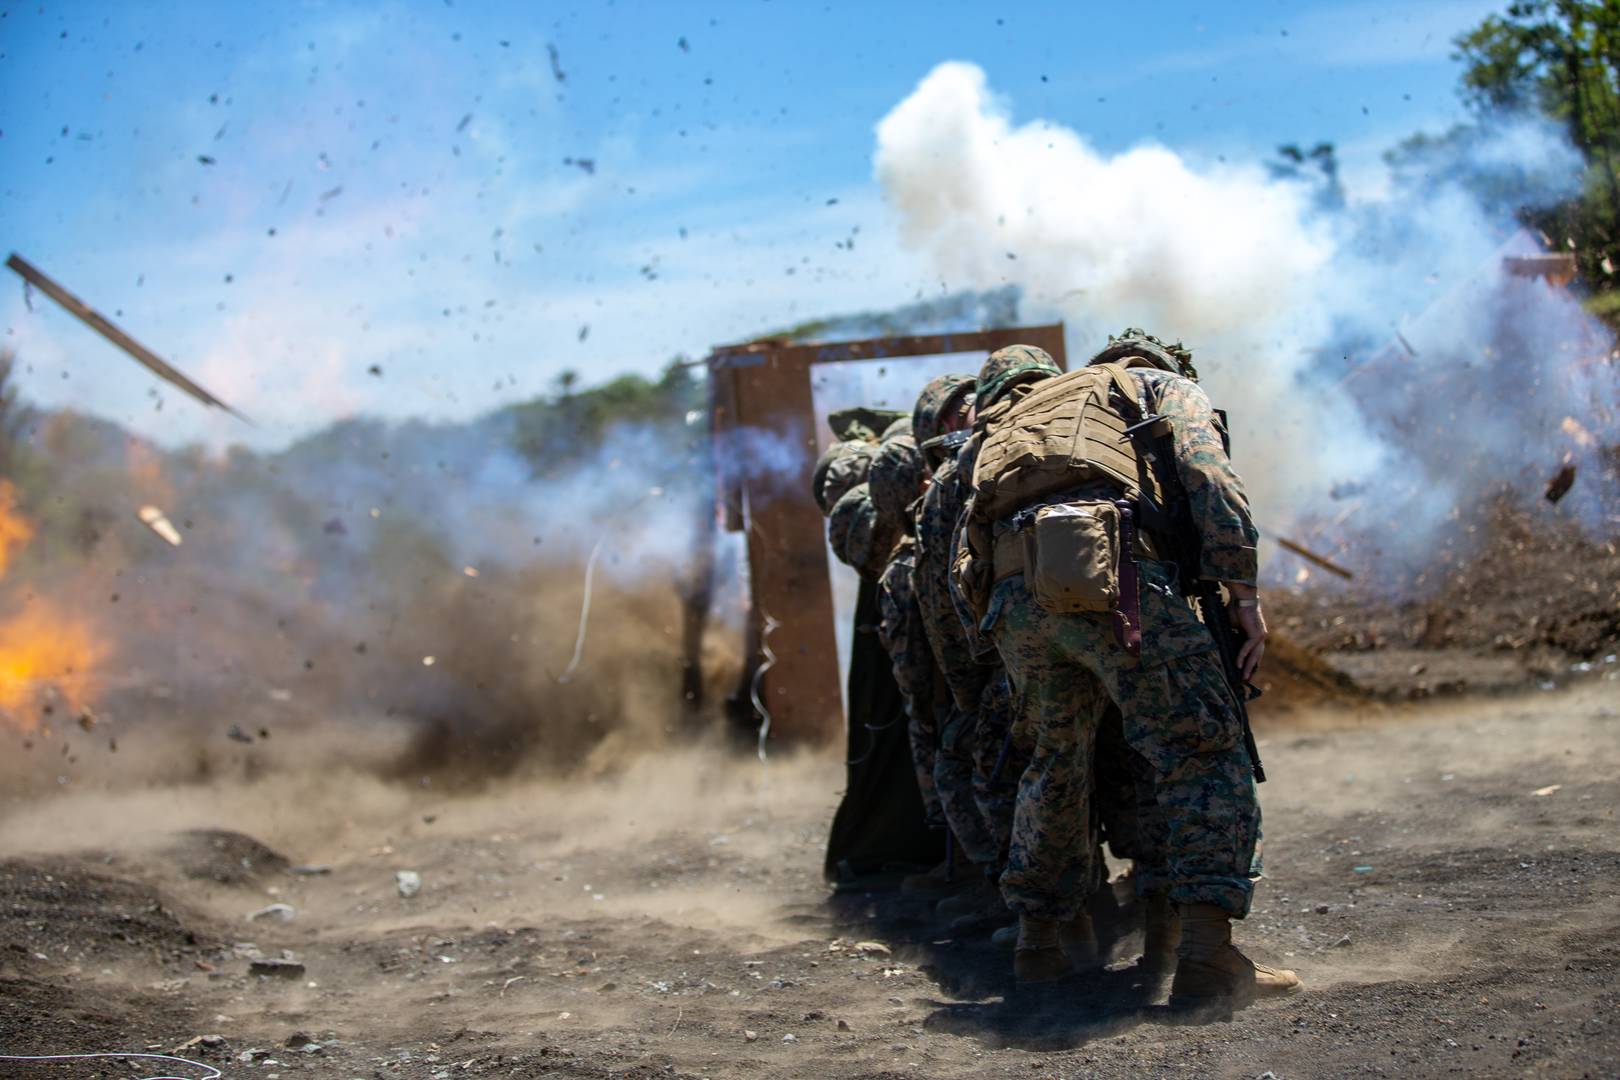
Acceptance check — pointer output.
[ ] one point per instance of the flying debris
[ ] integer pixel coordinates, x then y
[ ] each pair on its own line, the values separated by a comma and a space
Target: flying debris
103, 326
158, 522
1310, 556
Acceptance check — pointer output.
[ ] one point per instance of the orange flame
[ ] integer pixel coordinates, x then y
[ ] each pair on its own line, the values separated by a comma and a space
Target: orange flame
45, 657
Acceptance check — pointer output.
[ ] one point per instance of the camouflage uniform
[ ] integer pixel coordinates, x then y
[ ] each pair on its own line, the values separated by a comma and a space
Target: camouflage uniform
1177, 710
976, 805
895, 478
858, 537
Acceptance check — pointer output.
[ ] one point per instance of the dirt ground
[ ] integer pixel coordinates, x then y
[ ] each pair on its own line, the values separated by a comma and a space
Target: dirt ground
1445, 876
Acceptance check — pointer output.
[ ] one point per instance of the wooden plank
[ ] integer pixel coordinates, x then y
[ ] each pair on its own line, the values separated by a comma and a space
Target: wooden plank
787, 556
1048, 337
104, 326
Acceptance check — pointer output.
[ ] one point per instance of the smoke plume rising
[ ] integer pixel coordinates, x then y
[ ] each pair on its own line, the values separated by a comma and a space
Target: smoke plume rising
1283, 295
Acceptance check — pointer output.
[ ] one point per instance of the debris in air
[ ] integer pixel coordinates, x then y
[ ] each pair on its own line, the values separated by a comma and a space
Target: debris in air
158, 522
92, 318
585, 165
1310, 556
556, 64
1562, 481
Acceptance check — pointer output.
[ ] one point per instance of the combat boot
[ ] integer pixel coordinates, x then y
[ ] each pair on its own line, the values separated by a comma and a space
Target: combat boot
1161, 934
979, 893
1211, 973
1039, 955
1078, 938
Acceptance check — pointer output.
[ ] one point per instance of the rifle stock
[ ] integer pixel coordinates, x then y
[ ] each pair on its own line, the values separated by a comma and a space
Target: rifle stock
1212, 606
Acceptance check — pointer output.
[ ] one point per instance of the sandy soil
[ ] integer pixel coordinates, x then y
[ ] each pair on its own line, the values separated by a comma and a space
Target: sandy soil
1445, 877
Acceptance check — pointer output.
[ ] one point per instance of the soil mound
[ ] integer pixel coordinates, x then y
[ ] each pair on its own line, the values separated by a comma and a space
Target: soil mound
226, 857
60, 912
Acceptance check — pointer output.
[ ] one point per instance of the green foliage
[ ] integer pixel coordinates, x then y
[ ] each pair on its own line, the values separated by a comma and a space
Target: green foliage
555, 431
1318, 167
1562, 59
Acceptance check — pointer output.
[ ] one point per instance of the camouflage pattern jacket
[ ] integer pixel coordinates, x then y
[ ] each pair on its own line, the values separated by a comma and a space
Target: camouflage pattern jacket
954, 650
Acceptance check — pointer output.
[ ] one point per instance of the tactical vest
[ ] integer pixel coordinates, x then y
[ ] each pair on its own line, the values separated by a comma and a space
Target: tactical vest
1066, 432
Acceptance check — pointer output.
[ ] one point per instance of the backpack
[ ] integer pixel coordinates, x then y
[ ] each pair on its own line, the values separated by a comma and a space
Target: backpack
1061, 434
1067, 431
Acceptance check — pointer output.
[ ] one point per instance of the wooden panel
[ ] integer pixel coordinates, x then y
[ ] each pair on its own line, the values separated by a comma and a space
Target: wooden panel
787, 554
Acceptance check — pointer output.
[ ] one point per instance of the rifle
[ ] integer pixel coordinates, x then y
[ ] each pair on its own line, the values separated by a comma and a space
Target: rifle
1175, 527
1212, 606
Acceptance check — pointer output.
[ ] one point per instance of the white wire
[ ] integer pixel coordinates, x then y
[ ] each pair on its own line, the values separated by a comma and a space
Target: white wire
759, 676
213, 1073
584, 614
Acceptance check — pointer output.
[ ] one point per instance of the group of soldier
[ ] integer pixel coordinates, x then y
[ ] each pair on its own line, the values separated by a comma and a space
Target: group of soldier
1036, 537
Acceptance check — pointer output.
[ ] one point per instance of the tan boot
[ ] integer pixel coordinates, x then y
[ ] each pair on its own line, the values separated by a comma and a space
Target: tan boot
1212, 973
1039, 955
1161, 934
1079, 940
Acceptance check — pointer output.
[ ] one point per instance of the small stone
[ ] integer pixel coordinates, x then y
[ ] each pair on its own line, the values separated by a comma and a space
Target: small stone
314, 870
750, 1036
280, 969
298, 1040
843, 1025
790, 1037
409, 883
1321, 909
282, 913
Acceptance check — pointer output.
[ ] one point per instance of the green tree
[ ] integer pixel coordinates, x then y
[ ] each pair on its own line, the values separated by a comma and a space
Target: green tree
1562, 59
1318, 167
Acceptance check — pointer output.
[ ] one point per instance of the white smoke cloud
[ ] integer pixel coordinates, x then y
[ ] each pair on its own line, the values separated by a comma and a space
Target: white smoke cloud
1224, 259
1272, 287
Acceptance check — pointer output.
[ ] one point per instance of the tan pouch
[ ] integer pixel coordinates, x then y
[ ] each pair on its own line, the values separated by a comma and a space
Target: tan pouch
1071, 557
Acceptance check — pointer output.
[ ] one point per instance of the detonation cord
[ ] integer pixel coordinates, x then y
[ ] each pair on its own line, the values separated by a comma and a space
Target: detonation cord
584, 614
769, 624
212, 1073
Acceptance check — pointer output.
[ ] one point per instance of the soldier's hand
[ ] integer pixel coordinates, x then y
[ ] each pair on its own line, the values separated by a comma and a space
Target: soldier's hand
1249, 618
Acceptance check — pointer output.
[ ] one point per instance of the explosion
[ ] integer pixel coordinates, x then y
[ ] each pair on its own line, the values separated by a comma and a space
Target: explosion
46, 655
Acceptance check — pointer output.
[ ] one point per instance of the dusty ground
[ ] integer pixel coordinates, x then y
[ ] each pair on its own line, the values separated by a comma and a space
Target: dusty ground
1445, 877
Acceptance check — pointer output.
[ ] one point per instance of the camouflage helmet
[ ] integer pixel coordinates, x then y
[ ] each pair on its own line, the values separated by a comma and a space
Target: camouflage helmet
844, 465
896, 480
1008, 367
857, 537
1176, 359
900, 427
936, 399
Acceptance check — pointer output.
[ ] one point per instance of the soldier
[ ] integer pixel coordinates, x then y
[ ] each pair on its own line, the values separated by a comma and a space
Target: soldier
895, 481
1083, 612
977, 804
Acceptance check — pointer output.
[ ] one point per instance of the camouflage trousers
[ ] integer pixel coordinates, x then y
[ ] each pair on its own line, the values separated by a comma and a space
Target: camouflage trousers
1128, 816
1176, 712
961, 745
922, 726
998, 762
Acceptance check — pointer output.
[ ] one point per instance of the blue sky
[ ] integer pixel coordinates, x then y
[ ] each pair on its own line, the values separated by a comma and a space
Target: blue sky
279, 197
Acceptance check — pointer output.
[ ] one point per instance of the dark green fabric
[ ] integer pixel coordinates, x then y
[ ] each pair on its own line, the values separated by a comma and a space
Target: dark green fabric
879, 829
